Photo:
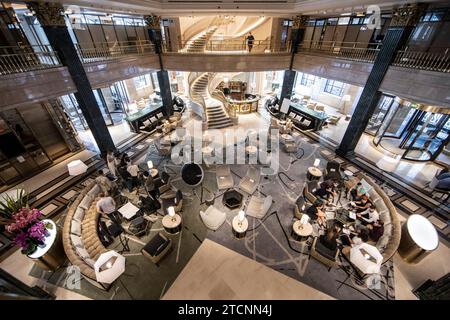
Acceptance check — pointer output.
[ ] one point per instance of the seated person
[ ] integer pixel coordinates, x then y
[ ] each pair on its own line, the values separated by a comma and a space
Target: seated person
326, 191
357, 192
362, 205
376, 230
105, 184
147, 182
443, 184
106, 206
362, 236
369, 215
315, 212
328, 240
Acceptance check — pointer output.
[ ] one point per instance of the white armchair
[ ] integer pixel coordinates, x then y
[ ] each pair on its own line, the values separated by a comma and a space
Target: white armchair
259, 205
250, 182
224, 177
213, 218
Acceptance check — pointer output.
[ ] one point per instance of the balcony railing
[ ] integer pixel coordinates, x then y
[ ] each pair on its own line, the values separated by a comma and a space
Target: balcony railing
432, 61
355, 51
231, 46
29, 58
112, 50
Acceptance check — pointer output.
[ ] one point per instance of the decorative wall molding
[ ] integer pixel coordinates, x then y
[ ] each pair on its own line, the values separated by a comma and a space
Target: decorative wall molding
408, 15
153, 22
300, 22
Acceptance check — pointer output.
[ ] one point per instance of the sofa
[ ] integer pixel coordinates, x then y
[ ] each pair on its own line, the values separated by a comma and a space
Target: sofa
389, 242
80, 234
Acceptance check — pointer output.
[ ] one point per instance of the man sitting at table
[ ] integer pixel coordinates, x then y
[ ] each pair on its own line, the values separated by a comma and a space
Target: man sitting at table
376, 230
329, 240
369, 215
106, 206
362, 236
315, 212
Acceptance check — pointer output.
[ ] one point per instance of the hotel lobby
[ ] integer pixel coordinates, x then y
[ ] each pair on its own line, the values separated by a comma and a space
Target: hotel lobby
224, 156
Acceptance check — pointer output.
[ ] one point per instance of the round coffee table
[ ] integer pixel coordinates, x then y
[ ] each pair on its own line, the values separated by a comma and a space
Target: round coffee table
239, 228
172, 225
192, 174
301, 232
419, 238
313, 173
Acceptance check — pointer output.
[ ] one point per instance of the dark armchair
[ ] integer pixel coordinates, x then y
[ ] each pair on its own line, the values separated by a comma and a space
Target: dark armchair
172, 199
334, 171
163, 183
157, 248
323, 254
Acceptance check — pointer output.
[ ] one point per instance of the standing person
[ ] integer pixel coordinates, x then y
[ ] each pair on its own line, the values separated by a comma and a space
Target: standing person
250, 39
133, 170
106, 185
110, 160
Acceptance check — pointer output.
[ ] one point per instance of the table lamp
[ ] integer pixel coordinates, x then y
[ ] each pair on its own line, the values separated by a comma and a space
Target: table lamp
304, 220
76, 167
316, 162
171, 212
241, 217
150, 164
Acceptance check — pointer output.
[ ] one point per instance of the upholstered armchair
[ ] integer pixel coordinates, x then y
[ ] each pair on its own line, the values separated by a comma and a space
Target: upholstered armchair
323, 254
157, 248
163, 183
213, 218
224, 177
250, 182
309, 189
172, 199
259, 205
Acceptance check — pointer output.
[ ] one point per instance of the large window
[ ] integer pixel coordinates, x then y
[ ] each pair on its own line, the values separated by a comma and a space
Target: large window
142, 81
334, 87
307, 80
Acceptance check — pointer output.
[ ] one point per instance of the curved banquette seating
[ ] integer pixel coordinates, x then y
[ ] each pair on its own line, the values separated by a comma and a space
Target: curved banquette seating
80, 234
389, 242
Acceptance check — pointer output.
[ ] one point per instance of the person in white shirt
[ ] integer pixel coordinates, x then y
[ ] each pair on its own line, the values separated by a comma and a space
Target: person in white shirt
110, 160
106, 185
107, 206
133, 170
368, 216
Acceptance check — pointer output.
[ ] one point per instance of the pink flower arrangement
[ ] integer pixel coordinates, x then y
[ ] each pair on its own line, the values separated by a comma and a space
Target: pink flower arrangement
29, 231
23, 219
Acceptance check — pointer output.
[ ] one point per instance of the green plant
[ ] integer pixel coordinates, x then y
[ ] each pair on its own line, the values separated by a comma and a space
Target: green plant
10, 205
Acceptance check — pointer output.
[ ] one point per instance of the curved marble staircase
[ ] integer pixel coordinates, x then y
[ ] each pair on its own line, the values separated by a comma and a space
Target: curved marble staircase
216, 115
199, 43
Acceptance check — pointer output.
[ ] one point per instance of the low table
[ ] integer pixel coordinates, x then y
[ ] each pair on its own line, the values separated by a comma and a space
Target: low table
128, 210
313, 173
239, 228
232, 199
301, 232
172, 225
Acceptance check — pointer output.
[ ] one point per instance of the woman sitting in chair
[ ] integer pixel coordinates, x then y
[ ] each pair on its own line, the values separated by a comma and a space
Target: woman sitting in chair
328, 240
315, 213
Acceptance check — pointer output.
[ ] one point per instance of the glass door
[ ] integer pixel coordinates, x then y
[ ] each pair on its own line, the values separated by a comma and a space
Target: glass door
379, 114
429, 138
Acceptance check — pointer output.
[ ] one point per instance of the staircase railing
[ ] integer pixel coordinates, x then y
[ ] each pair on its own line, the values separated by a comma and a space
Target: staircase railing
219, 95
198, 98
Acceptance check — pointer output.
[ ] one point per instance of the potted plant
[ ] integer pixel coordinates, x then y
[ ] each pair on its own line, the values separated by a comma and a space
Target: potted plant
21, 221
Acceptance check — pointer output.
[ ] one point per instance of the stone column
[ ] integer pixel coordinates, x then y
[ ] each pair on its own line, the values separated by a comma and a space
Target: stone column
288, 85
154, 32
51, 18
403, 22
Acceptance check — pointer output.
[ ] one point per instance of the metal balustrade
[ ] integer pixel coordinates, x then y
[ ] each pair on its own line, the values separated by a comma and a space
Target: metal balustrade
355, 51
231, 46
112, 50
27, 58
432, 61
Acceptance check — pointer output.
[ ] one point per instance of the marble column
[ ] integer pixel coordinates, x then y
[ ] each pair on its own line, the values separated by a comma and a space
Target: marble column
288, 85
402, 24
154, 32
51, 18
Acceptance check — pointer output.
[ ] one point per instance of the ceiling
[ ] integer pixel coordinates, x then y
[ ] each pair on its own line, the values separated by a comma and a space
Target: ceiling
287, 8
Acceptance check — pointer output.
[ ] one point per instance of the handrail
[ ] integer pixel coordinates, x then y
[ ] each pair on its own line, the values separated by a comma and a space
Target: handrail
25, 59
112, 50
232, 45
193, 76
432, 61
356, 51
219, 95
